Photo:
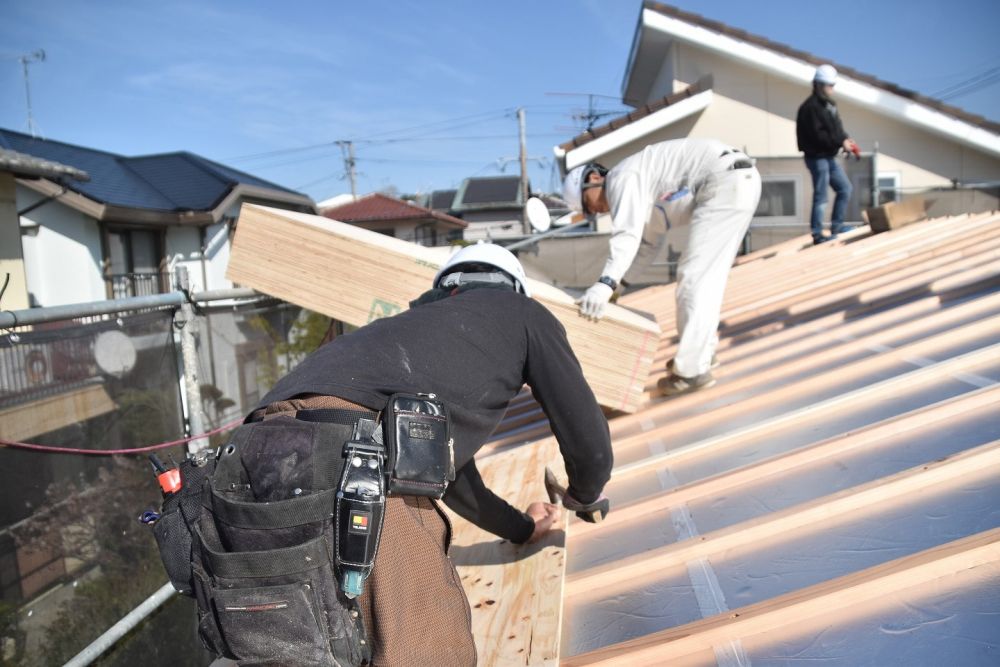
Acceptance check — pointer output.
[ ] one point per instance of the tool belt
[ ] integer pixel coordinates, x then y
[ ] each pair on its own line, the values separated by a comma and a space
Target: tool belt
275, 536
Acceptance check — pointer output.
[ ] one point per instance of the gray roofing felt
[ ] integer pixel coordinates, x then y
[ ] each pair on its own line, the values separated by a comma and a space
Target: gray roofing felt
169, 181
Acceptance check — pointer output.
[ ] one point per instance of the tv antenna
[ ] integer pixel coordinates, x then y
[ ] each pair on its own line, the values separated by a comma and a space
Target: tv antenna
592, 114
26, 59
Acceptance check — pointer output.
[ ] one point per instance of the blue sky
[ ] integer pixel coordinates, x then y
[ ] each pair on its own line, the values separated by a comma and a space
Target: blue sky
243, 82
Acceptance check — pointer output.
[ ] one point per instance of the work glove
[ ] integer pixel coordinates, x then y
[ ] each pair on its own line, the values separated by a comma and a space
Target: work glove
594, 300
590, 512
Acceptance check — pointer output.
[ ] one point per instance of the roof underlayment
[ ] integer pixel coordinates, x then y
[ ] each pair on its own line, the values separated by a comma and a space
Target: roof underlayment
835, 498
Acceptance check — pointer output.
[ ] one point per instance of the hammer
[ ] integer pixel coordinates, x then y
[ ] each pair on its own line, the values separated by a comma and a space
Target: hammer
592, 513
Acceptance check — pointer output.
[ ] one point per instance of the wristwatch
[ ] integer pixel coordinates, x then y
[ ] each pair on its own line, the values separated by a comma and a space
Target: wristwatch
610, 282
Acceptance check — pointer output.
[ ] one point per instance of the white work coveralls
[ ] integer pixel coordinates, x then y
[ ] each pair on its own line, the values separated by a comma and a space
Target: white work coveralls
724, 201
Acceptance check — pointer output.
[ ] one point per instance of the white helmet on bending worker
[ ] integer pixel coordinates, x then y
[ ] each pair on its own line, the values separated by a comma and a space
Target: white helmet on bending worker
482, 255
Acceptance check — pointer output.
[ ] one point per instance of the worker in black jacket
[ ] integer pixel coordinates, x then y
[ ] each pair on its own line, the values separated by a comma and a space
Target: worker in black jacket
474, 341
821, 137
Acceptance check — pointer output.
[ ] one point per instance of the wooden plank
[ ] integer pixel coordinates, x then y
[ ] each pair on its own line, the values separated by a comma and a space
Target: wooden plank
836, 346
852, 593
516, 592
808, 385
817, 514
356, 275
881, 390
44, 415
867, 438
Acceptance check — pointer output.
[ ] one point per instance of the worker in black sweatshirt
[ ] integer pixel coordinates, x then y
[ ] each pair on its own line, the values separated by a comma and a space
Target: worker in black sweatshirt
821, 137
474, 341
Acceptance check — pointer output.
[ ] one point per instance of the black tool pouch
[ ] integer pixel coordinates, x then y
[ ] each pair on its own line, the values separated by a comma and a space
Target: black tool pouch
417, 433
179, 513
263, 565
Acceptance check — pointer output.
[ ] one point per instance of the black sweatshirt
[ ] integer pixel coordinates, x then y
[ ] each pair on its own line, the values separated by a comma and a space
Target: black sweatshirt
475, 351
818, 128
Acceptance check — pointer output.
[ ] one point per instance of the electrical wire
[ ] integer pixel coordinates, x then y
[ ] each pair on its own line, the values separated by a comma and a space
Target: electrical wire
972, 84
113, 452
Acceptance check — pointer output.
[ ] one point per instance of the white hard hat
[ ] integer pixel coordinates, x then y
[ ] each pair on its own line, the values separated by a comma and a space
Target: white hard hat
826, 74
491, 254
576, 179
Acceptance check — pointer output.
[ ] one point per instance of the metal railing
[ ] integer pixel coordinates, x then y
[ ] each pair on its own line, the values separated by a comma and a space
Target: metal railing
124, 285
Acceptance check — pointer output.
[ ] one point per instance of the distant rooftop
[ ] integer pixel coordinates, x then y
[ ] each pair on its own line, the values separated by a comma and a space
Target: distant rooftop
179, 181
377, 206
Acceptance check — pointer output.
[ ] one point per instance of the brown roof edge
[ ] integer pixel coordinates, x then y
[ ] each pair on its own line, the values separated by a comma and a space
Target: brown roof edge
700, 86
722, 28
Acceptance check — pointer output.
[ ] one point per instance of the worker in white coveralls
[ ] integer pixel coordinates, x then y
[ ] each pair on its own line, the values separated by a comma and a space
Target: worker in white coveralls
723, 188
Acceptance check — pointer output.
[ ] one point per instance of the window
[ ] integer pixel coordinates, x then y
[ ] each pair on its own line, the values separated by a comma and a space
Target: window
133, 263
888, 187
779, 196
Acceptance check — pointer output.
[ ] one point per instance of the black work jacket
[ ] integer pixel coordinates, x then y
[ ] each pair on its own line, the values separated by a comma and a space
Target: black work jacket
475, 351
818, 127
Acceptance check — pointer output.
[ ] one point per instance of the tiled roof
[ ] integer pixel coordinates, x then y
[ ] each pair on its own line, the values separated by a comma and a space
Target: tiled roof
377, 206
700, 86
784, 49
31, 166
165, 182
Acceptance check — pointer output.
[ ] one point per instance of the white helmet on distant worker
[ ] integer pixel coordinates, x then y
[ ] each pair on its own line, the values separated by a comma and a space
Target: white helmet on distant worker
576, 182
490, 254
826, 75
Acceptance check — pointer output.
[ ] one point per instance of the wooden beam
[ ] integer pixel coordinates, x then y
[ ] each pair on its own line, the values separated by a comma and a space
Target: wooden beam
807, 386
816, 515
789, 361
854, 592
880, 390
44, 415
868, 437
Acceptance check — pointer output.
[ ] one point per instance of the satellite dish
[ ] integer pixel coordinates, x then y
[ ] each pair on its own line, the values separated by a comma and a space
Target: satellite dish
537, 214
114, 353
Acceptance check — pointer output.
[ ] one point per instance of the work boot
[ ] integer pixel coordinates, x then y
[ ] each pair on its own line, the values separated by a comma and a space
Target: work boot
675, 385
715, 363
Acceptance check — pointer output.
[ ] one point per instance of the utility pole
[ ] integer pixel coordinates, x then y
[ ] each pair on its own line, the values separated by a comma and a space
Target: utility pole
35, 56
524, 164
347, 149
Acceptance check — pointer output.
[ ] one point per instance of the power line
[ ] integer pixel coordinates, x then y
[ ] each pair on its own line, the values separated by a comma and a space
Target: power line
972, 84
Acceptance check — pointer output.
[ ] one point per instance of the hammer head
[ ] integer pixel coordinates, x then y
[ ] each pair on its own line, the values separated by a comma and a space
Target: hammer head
553, 488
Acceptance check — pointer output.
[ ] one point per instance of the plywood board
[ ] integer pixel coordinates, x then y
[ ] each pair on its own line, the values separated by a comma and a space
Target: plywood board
515, 591
356, 276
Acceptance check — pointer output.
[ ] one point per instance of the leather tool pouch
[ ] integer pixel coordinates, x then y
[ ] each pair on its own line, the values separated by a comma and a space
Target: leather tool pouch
417, 433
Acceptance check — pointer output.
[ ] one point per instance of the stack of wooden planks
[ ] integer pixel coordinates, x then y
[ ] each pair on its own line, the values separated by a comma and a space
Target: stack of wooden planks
356, 276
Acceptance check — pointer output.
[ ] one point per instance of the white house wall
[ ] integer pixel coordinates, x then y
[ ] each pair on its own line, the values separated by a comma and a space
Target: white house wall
62, 260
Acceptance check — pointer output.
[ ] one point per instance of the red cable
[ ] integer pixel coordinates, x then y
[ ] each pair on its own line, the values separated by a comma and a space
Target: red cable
110, 452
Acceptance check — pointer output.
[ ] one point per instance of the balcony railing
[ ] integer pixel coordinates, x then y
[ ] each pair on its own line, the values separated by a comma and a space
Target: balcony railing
138, 284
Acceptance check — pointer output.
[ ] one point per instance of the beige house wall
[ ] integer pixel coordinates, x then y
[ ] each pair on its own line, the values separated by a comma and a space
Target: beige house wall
15, 297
